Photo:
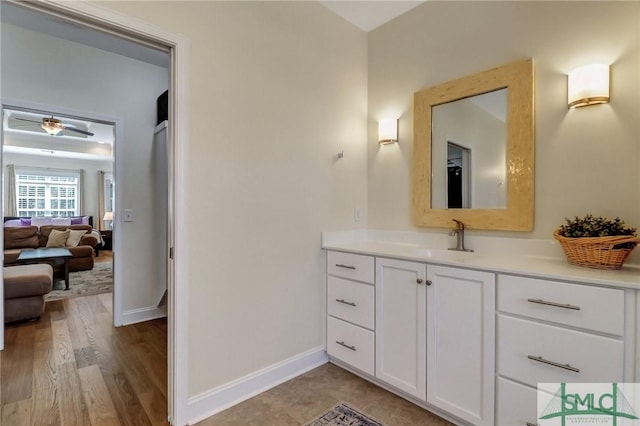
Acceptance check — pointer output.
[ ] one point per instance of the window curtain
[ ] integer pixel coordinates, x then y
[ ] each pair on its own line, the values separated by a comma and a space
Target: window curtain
100, 222
11, 208
81, 195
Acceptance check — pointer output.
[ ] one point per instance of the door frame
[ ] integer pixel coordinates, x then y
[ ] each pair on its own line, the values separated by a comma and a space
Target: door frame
111, 21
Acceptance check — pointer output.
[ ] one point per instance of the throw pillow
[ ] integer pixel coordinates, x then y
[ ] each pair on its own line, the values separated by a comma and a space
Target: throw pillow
57, 238
74, 237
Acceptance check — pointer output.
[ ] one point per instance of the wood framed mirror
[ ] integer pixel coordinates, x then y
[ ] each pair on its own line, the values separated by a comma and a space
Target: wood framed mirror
473, 151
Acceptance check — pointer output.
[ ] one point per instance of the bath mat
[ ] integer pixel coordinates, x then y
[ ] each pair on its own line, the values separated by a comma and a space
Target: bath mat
343, 415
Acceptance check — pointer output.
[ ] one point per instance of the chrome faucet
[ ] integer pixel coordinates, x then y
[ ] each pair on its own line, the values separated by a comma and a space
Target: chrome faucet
458, 231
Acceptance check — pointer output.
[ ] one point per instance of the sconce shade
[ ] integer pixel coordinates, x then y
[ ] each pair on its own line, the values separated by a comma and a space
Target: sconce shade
108, 216
388, 131
588, 85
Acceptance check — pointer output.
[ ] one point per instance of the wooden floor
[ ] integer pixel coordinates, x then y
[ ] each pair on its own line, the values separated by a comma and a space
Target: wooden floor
72, 367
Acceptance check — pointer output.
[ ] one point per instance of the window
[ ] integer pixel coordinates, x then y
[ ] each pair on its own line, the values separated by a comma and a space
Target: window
109, 196
47, 192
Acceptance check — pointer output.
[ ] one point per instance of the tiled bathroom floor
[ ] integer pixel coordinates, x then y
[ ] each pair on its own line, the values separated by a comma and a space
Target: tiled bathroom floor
307, 396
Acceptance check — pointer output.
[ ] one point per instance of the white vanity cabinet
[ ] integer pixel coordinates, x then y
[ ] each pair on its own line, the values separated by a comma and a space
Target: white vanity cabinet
552, 331
401, 325
472, 344
460, 342
350, 309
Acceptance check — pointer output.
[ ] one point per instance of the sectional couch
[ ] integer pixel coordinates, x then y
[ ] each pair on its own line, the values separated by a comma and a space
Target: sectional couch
19, 238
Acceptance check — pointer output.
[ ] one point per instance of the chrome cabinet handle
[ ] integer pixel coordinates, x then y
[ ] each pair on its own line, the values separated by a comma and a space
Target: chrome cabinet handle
419, 280
429, 282
345, 266
553, 363
353, 348
557, 305
531, 424
345, 302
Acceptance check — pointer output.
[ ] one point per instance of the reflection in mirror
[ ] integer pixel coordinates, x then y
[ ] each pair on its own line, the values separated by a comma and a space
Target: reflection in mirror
472, 156
475, 124
458, 177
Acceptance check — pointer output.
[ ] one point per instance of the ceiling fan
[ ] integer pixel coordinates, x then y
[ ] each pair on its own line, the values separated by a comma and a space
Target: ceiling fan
55, 127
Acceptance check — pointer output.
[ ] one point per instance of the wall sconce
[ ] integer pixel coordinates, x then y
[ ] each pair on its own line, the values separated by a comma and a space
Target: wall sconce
388, 131
588, 85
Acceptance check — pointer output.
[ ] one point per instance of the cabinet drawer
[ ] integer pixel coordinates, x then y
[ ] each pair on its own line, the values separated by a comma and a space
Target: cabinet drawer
593, 308
353, 266
517, 404
599, 359
351, 301
351, 344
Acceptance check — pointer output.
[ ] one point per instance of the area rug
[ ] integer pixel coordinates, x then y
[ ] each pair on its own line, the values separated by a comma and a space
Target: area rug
343, 415
84, 283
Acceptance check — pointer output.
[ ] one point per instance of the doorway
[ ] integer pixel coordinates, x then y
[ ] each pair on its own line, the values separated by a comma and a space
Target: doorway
458, 176
63, 178
89, 16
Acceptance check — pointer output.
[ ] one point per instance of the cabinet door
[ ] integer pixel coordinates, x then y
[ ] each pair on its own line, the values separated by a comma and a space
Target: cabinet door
460, 342
401, 325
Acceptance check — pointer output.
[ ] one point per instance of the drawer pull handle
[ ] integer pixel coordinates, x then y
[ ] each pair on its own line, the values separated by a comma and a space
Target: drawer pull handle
345, 266
353, 348
531, 424
345, 302
557, 305
555, 364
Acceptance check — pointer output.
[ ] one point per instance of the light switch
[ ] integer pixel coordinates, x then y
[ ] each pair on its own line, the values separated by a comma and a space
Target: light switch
128, 215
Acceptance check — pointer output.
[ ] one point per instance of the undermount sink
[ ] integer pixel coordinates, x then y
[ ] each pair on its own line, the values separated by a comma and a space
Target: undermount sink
442, 254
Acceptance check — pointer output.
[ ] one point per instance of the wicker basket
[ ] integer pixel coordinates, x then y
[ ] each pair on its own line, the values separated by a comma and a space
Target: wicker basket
597, 252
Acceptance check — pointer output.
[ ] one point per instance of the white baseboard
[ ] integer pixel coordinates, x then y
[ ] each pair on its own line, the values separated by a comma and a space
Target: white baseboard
218, 399
143, 314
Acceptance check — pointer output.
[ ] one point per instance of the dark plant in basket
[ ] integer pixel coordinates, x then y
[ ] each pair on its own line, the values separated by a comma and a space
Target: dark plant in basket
591, 226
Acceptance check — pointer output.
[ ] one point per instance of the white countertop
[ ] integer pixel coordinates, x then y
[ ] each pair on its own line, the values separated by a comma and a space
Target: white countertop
533, 264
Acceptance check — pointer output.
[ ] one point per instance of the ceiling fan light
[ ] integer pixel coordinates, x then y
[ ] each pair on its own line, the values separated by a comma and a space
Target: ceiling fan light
51, 130
52, 126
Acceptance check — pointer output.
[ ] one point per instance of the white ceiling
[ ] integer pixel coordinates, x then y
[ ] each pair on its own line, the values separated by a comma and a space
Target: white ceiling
369, 15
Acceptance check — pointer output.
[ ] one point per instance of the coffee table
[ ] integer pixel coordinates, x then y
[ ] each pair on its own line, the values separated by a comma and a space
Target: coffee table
48, 255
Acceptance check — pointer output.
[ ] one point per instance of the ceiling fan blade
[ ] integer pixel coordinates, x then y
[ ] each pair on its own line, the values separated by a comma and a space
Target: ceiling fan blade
73, 129
26, 126
30, 121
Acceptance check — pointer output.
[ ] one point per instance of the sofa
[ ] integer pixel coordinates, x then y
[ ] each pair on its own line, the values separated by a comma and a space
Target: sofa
19, 238
24, 290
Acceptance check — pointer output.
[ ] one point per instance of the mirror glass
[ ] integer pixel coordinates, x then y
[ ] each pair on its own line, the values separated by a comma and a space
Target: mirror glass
468, 152
473, 147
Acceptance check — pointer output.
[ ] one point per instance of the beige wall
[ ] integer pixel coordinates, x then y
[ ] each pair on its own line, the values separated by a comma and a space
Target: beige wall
276, 90
587, 160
